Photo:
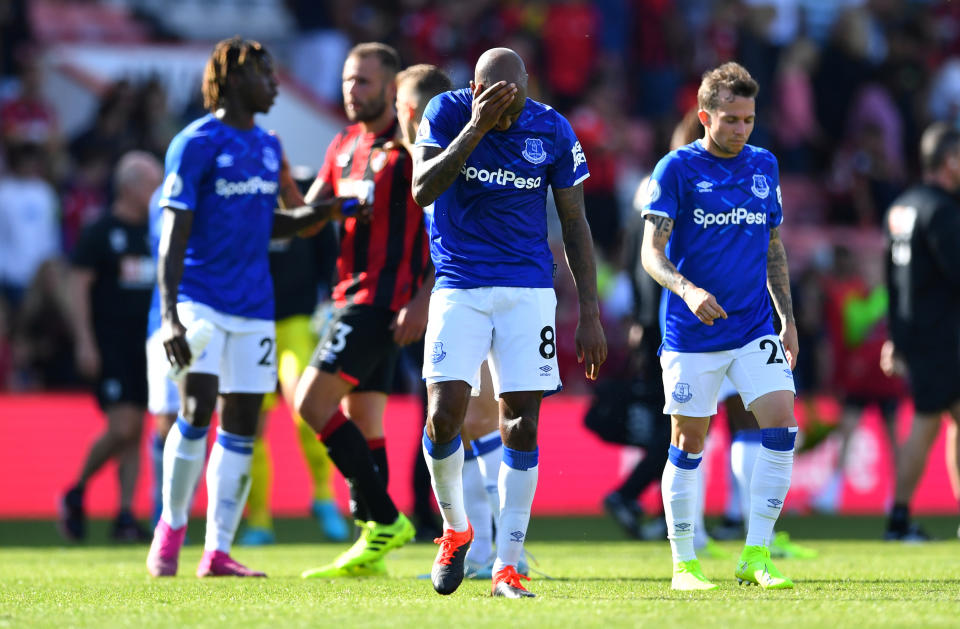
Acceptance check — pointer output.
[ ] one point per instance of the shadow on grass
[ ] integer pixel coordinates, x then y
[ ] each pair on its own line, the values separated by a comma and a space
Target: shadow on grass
43, 533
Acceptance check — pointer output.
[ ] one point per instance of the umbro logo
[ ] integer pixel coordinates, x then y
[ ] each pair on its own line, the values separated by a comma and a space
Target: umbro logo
224, 160
516, 536
705, 186
682, 526
774, 502
545, 370
445, 505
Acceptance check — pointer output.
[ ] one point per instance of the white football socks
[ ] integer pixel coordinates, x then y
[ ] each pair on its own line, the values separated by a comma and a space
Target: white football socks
478, 512
743, 456
489, 456
518, 484
679, 489
770, 483
445, 462
228, 484
183, 456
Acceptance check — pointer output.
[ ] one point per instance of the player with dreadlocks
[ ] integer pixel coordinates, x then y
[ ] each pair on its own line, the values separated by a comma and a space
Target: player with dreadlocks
224, 175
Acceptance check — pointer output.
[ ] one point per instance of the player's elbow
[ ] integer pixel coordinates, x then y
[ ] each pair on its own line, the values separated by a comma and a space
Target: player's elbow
647, 258
420, 194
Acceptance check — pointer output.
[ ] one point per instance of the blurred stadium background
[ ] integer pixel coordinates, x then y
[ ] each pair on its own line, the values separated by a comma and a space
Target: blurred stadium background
846, 88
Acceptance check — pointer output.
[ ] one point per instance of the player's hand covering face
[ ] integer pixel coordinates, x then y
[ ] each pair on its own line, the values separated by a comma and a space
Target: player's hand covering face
491, 106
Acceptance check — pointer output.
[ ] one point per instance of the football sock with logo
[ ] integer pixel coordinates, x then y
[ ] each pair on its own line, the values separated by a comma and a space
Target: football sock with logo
489, 449
228, 484
743, 457
156, 464
770, 483
477, 508
445, 462
679, 489
518, 484
183, 456
261, 479
349, 452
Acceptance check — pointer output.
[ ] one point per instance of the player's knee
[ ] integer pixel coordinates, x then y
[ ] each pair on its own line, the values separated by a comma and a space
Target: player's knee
443, 424
691, 441
520, 433
198, 410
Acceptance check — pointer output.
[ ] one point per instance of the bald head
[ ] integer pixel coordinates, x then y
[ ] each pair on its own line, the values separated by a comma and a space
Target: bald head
500, 64
137, 175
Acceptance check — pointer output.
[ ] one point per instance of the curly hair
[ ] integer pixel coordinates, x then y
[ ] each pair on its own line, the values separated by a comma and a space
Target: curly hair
730, 76
228, 56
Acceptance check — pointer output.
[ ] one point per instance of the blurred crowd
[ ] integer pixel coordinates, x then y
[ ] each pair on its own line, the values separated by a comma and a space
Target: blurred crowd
846, 88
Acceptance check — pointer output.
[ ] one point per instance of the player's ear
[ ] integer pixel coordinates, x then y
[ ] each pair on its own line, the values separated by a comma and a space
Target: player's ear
475, 88
704, 117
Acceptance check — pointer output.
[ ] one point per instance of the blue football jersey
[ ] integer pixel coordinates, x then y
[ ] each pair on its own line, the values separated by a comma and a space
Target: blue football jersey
229, 179
489, 228
155, 227
723, 210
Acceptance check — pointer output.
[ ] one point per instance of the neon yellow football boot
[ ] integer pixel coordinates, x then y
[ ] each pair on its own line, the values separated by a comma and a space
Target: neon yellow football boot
688, 576
756, 568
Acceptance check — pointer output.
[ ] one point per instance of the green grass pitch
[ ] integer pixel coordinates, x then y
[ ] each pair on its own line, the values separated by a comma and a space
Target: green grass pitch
596, 579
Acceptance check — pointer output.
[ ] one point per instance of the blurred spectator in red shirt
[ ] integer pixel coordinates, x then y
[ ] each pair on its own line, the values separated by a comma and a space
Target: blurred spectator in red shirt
570, 46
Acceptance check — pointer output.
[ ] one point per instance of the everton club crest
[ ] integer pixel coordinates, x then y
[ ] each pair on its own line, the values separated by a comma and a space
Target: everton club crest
760, 187
533, 150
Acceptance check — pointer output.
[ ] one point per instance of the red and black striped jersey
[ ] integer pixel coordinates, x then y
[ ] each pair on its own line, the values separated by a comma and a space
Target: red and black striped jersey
383, 259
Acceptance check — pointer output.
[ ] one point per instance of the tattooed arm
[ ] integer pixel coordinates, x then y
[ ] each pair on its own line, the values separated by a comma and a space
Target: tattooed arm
778, 282
435, 169
653, 255
578, 247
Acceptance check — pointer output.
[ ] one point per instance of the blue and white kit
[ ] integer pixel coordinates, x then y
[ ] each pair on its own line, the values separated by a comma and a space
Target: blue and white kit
488, 242
229, 179
723, 210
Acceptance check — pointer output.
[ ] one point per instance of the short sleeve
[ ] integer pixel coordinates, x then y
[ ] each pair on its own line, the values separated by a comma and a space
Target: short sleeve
663, 191
775, 216
89, 248
569, 166
186, 163
439, 125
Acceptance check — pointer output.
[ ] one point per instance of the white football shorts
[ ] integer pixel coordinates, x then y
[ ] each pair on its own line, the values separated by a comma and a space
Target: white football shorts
242, 352
513, 328
692, 381
163, 397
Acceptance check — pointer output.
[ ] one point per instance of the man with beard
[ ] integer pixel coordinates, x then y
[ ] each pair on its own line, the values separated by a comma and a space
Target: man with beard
380, 300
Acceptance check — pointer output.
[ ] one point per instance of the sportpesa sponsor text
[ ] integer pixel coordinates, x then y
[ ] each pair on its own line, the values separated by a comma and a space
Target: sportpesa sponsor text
500, 177
253, 185
735, 216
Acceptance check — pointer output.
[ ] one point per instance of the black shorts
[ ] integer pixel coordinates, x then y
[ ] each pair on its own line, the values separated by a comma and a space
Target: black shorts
123, 368
934, 380
358, 346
